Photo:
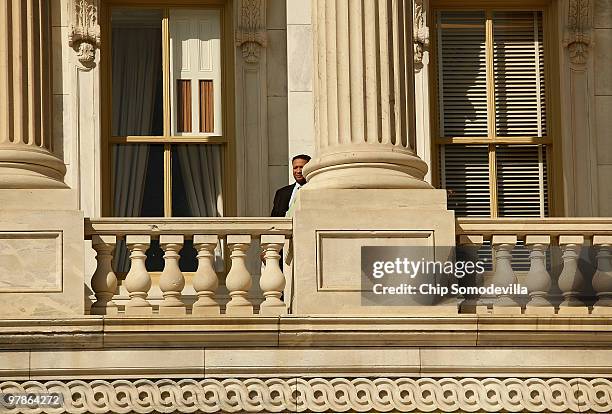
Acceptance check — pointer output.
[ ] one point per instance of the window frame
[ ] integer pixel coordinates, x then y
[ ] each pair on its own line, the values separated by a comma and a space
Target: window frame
552, 140
226, 140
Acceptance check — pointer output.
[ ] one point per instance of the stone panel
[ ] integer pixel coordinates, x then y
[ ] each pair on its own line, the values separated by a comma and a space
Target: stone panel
602, 43
277, 131
14, 365
603, 14
299, 57
51, 268
605, 190
129, 363
276, 61
32, 262
311, 362
338, 254
299, 11
475, 362
603, 122
276, 14
301, 123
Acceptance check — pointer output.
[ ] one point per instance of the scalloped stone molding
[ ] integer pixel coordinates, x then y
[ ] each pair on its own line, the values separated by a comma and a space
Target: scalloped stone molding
322, 395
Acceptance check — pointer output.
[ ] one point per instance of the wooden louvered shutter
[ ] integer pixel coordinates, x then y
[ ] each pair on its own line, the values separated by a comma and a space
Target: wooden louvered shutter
521, 181
490, 106
518, 64
462, 74
465, 175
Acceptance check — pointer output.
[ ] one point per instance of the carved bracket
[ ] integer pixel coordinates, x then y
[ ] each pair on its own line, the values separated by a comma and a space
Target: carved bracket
84, 35
420, 33
577, 37
251, 34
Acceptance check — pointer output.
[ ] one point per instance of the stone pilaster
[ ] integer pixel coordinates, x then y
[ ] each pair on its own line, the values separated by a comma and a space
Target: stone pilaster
26, 158
364, 96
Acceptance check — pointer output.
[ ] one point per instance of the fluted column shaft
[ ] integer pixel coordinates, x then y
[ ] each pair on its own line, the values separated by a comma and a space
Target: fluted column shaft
26, 159
364, 96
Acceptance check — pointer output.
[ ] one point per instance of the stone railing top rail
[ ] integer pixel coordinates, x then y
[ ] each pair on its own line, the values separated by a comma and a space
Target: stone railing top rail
221, 226
585, 226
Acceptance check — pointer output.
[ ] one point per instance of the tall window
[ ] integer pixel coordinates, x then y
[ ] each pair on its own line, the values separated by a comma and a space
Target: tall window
492, 133
165, 134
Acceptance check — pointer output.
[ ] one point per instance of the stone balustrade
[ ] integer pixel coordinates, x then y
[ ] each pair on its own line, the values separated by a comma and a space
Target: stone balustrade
213, 292
564, 263
563, 266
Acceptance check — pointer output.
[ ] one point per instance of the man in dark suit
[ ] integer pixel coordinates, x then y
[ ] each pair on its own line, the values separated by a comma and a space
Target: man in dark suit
285, 196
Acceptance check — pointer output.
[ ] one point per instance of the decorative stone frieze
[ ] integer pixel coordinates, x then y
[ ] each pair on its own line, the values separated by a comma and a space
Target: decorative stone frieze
251, 34
84, 35
577, 37
421, 33
322, 395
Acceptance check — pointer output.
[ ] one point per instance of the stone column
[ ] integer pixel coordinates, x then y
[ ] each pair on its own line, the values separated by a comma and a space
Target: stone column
364, 96
26, 159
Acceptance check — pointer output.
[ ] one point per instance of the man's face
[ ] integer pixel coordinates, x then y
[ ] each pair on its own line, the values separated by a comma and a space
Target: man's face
298, 165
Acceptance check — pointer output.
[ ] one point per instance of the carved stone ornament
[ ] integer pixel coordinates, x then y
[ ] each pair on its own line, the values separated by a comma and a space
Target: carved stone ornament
84, 35
251, 34
421, 33
577, 35
253, 395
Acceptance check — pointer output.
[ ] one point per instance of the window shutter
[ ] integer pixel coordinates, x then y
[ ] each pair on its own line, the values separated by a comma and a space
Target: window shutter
518, 64
465, 174
195, 56
521, 181
462, 74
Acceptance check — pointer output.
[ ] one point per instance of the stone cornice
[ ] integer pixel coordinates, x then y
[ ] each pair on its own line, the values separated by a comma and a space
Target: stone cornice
315, 331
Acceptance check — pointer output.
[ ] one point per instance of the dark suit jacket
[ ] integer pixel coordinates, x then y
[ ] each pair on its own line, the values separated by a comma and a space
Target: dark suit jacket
281, 201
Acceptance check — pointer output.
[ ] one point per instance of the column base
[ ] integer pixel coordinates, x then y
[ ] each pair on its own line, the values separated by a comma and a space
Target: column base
23, 166
367, 166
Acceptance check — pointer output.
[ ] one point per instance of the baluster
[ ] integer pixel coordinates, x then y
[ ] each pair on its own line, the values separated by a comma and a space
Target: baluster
104, 280
602, 279
171, 281
571, 280
205, 280
238, 279
470, 244
138, 280
504, 276
538, 279
272, 280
